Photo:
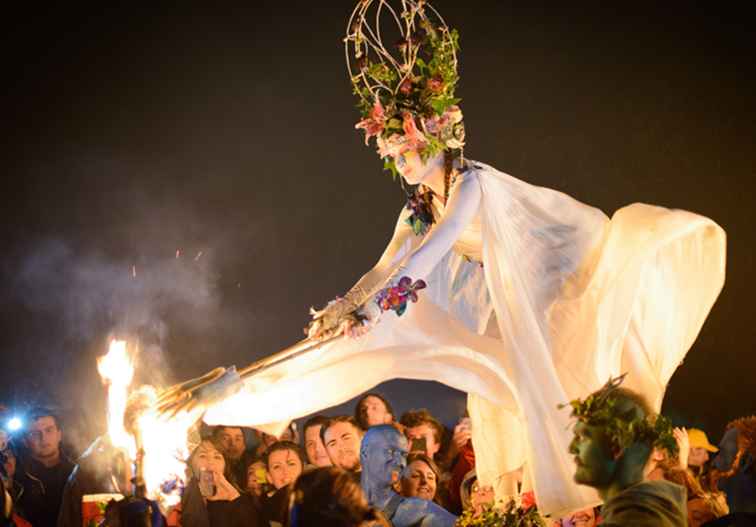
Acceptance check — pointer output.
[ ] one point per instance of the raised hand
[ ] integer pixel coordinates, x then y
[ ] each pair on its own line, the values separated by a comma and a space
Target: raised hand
224, 490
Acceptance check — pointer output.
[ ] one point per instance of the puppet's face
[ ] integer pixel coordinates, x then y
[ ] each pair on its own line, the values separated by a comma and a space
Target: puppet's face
413, 169
383, 455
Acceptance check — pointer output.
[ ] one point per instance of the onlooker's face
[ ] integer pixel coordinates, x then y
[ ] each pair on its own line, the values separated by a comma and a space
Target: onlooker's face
207, 457
43, 438
284, 467
699, 512
257, 476
432, 446
10, 463
420, 481
697, 456
593, 456
584, 518
342, 442
375, 411
233, 443
316, 451
481, 497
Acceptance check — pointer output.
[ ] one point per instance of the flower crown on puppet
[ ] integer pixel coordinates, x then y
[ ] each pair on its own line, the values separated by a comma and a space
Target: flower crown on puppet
406, 97
623, 428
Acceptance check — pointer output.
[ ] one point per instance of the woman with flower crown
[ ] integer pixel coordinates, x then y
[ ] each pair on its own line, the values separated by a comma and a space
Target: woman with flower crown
519, 295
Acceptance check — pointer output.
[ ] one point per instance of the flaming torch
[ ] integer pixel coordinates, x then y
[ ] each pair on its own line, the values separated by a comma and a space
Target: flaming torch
156, 447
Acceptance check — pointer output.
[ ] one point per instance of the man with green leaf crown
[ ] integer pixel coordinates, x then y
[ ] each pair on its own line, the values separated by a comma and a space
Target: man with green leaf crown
519, 295
613, 438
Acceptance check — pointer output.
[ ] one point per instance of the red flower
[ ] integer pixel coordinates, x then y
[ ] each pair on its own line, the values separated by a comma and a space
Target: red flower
436, 84
528, 500
406, 87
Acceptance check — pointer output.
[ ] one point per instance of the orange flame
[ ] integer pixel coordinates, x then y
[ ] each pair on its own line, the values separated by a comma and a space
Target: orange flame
117, 370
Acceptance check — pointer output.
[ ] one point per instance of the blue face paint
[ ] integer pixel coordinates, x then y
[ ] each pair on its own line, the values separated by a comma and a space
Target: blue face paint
384, 451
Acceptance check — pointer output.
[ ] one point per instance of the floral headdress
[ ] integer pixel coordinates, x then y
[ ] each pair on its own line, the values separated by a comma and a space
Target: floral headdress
623, 427
406, 91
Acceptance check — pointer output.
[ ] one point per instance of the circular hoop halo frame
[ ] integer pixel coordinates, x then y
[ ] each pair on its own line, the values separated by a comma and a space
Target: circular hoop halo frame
362, 39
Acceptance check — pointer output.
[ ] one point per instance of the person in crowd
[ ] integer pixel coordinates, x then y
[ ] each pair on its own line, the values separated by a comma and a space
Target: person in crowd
588, 517
613, 438
258, 480
211, 497
461, 465
44, 469
234, 444
330, 496
11, 490
313, 444
99, 470
420, 479
474, 496
289, 434
700, 448
373, 409
702, 506
284, 461
383, 457
734, 468
420, 426
341, 436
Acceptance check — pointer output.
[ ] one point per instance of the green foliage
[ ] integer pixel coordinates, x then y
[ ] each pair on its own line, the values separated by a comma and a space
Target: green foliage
508, 516
388, 165
601, 409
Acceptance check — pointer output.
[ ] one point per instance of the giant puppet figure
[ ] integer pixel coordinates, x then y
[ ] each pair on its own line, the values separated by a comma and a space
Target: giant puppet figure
519, 295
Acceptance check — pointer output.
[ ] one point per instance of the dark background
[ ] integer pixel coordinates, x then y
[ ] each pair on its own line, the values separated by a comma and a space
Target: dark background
129, 135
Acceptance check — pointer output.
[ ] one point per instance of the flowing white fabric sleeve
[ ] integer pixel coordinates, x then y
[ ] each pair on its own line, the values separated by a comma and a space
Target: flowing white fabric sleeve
463, 205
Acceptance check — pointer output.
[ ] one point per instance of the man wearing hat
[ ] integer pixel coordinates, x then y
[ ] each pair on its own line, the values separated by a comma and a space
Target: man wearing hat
699, 449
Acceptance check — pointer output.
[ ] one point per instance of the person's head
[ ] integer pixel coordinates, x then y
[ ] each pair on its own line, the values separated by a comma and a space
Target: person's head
602, 461
208, 455
383, 455
330, 496
700, 511
284, 461
373, 409
584, 518
314, 447
481, 496
9, 460
699, 447
420, 479
257, 477
43, 436
419, 425
341, 437
232, 441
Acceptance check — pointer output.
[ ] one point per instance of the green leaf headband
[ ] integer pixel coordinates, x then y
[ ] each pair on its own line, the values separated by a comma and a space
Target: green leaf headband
623, 428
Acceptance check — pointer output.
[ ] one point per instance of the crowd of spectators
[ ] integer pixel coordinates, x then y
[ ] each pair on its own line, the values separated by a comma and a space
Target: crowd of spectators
375, 468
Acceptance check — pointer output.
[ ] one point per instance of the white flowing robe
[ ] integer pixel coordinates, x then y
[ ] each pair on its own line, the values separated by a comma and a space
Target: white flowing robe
533, 299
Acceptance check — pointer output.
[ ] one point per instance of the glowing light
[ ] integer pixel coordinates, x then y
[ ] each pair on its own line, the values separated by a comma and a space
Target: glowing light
14, 424
163, 442
117, 370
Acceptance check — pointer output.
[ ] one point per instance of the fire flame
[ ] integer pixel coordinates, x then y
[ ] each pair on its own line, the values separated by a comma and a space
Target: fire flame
117, 370
163, 443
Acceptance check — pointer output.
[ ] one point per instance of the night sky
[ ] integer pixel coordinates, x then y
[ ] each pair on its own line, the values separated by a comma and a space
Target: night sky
227, 135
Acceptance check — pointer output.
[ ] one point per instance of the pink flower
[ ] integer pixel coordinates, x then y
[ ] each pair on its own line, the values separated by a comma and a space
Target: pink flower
374, 124
415, 137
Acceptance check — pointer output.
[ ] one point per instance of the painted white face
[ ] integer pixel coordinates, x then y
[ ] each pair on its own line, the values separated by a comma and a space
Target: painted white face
411, 167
